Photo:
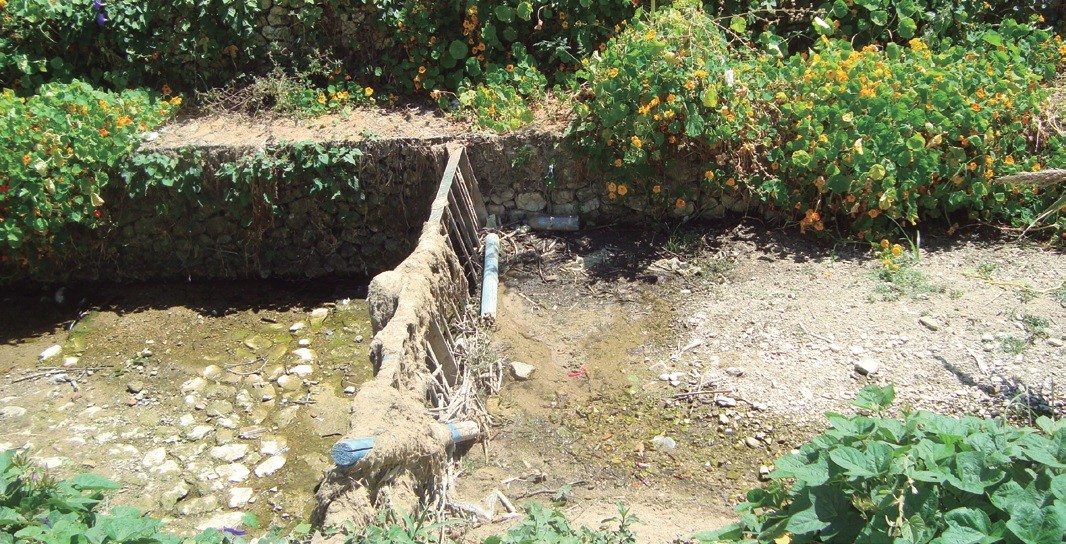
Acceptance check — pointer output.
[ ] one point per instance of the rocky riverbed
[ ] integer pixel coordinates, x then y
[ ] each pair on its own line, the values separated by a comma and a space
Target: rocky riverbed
205, 401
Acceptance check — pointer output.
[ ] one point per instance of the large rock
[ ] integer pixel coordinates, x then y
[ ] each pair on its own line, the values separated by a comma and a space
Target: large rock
531, 202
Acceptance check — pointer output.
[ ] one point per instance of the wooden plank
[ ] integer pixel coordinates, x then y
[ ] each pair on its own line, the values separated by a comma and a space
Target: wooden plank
473, 189
441, 200
464, 219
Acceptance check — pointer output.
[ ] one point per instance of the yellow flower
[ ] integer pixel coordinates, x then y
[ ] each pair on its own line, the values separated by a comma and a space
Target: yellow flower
421, 69
176, 101
618, 163
636, 142
368, 91
321, 98
613, 72
622, 190
1009, 159
897, 250
679, 203
611, 187
166, 90
671, 98
650, 35
731, 182
510, 68
656, 189
884, 244
709, 175
701, 73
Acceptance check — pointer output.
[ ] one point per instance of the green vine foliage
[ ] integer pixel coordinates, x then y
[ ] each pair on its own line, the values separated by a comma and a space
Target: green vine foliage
249, 185
127, 43
927, 478
58, 149
868, 139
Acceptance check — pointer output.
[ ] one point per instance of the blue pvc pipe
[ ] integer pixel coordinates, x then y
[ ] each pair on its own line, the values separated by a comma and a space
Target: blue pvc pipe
348, 452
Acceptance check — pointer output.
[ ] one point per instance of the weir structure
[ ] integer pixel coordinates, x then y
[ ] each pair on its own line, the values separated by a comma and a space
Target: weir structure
395, 452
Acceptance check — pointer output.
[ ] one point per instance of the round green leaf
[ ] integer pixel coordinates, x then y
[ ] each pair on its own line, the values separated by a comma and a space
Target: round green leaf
505, 13
879, 17
457, 49
906, 27
877, 172
916, 142
801, 158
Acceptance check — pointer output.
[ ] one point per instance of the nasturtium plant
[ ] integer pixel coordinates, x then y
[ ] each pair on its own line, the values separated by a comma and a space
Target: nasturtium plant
925, 478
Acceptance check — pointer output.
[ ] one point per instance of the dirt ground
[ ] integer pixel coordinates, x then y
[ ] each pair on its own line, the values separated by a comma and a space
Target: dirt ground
731, 342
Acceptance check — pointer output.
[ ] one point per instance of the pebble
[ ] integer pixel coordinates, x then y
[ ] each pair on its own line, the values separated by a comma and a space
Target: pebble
12, 411
273, 446
723, 419
154, 457
302, 371
305, 354
239, 497
836, 348
727, 402
929, 323
170, 497
212, 372
752, 442
663, 443
199, 432
270, 466
135, 386
186, 420
304, 342
289, 382
299, 325
522, 371
50, 352
220, 408
199, 505
233, 472
320, 313
867, 366
229, 452
70, 361
169, 466
193, 385
857, 350
987, 337
350, 390
1055, 342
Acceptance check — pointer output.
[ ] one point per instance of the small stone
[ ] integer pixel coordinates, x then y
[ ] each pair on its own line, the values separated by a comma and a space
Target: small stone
229, 452
350, 390
867, 366
522, 371
50, 352
723, 419
727, 402
663, 443
929, 323
135, 386
154, 457
234, 472
289, 382
12, 411
239, 497
302, 371
764, 472
752, 442
220, 408
171, 496
359, 339
194, 385
305, 354
199, 432
1055, 342
169, 466
734, 371
212, 372
857, 350
304, 342
186, 420
273, 446
299, 325
320, 313
987, 337
199, 505
70, 361
270, 466
836, 348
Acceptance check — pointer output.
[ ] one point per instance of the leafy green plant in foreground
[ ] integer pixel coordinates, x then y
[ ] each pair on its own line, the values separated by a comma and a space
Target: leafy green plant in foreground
927, 478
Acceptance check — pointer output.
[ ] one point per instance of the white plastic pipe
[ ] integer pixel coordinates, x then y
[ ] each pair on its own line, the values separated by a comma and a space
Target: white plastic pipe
491, 281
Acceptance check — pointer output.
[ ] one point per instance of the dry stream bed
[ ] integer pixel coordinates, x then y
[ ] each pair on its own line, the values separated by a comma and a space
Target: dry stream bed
671, 369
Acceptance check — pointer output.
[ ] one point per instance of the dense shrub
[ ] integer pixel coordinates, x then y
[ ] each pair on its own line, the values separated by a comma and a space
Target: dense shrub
873, 138
927, 478
126, 43
56, 151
